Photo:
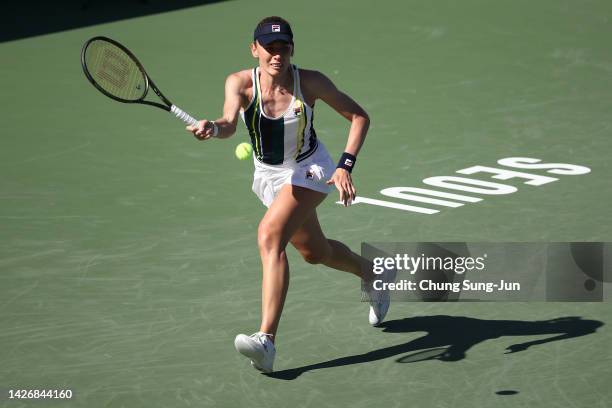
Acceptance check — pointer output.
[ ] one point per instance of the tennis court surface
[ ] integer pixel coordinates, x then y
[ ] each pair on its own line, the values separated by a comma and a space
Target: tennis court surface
129, 259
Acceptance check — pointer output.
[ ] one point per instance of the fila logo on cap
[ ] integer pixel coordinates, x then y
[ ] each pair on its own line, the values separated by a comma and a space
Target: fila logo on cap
275, 28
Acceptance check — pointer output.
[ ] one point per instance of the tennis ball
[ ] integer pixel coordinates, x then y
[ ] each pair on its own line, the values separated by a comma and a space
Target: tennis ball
244, 151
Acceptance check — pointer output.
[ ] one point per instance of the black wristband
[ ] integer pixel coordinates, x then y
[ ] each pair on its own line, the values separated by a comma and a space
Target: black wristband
347, 162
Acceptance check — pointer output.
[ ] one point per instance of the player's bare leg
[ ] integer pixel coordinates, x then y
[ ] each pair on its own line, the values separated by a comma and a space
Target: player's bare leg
291, 208
287, 213
315, 248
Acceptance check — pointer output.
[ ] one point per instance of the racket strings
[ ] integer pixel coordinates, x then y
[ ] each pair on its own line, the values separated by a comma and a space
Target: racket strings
115, 71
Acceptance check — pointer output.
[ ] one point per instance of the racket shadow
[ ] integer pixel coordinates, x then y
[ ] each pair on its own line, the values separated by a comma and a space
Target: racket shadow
448, 338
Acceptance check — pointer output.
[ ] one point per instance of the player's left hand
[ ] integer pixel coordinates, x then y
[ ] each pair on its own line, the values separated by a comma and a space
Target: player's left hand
344, 184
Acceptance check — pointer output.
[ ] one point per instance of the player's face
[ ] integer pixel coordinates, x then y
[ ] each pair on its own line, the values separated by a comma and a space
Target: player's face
275, 57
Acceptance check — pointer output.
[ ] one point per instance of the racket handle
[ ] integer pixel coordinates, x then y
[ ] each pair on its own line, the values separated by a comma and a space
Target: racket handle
182, 115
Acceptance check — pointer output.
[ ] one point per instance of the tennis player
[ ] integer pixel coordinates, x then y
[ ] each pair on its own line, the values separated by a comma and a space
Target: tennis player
293, 171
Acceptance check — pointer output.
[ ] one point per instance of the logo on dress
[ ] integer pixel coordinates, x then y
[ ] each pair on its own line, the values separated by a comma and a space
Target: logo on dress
297, 111
275, 28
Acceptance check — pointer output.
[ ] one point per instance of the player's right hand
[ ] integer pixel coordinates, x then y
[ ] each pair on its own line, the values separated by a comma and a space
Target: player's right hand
204, 130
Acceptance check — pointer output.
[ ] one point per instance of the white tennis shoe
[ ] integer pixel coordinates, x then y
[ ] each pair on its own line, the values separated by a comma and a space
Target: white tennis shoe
378, 310
259, 348
380, 300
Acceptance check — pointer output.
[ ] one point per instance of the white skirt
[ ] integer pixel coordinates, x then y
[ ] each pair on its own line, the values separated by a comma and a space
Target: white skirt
311, 173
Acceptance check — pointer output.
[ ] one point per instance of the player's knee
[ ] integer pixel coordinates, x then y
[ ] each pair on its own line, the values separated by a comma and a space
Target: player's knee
268, 237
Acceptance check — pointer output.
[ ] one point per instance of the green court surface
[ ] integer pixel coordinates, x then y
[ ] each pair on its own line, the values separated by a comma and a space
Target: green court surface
129, 259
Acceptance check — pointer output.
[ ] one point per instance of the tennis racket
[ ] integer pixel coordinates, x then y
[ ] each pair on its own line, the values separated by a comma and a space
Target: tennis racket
118, 74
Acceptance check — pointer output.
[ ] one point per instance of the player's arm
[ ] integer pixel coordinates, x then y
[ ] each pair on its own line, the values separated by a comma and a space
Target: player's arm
226, 124
323, 88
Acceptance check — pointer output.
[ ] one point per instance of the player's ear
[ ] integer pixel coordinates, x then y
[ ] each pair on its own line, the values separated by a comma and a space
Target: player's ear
254, 49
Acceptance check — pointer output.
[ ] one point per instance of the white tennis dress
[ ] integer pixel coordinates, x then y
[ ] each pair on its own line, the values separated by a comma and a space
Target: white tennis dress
285, 149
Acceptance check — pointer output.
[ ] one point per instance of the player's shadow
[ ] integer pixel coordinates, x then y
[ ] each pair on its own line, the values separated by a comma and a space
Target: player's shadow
448, 338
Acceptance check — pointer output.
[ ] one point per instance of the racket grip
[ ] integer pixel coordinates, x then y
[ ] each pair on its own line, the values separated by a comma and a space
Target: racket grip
182, 115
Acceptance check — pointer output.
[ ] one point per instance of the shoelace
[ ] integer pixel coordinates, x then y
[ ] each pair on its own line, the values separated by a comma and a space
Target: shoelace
261, 336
